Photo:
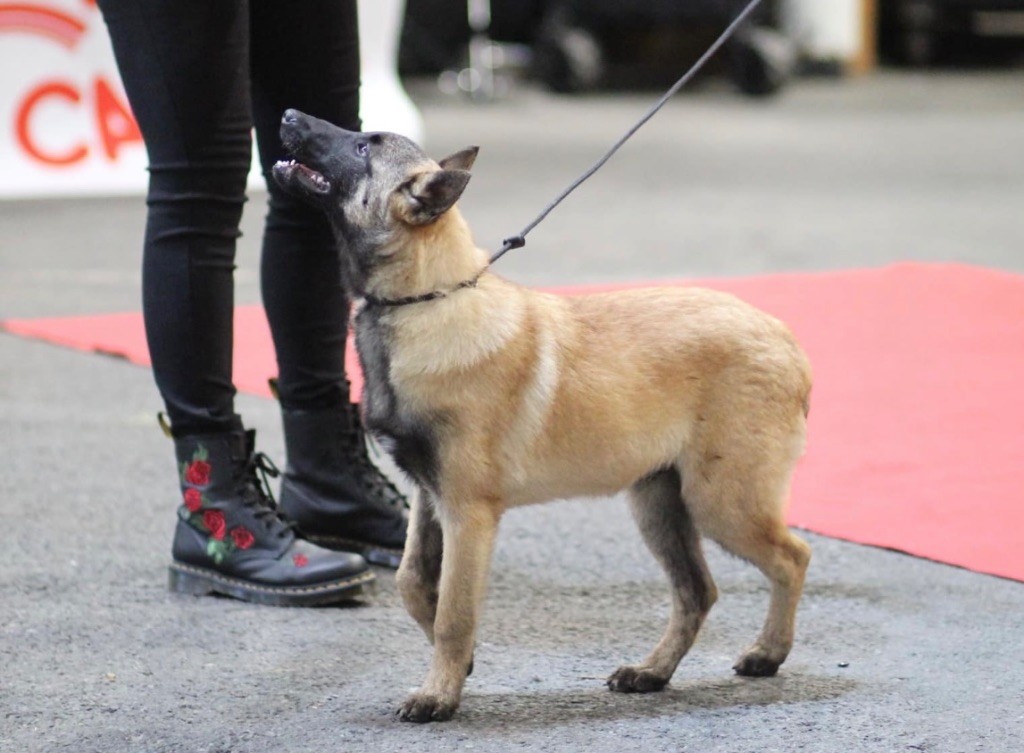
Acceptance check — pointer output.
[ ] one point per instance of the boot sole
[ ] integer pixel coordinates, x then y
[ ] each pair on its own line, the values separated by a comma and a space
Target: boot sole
197, 581
375, 555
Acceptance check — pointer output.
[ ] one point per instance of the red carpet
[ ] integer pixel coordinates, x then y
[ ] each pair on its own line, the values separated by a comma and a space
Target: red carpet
917, 421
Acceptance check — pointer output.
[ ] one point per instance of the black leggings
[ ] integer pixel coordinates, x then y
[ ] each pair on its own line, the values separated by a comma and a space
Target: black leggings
199, 75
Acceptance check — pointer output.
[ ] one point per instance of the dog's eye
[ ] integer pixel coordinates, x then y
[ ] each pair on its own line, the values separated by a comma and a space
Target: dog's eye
362, 148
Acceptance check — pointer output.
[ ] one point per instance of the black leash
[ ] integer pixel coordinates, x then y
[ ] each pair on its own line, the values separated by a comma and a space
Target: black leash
519, 240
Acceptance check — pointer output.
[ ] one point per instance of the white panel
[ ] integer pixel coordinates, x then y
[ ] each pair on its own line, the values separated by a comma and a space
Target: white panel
63, 131
825, 29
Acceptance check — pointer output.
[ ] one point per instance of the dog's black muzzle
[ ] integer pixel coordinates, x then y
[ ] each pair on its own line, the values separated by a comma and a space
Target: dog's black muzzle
320, 151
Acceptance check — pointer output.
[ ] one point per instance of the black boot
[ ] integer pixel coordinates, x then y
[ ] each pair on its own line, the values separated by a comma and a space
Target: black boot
337, 497
231, 540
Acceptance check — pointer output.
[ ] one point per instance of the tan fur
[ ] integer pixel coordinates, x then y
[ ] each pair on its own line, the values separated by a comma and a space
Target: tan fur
552, 397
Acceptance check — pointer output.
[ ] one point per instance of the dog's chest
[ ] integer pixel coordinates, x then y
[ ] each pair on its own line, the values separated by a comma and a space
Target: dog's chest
411, 439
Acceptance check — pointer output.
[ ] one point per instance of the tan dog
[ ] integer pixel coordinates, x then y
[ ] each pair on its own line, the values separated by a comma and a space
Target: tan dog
490, 396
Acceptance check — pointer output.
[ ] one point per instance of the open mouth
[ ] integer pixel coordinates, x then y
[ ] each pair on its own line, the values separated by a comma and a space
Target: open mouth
305, 176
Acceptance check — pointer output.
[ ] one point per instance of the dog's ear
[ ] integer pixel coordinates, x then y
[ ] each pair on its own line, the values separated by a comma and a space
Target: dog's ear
462, 160
432, 194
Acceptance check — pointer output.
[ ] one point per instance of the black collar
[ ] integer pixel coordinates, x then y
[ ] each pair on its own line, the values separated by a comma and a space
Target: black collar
373, 300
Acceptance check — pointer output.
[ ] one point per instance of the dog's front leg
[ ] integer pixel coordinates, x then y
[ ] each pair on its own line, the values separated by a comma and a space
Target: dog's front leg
420, 571
469, 532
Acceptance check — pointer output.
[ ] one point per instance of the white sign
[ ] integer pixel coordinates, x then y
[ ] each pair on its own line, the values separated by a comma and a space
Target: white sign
65, 125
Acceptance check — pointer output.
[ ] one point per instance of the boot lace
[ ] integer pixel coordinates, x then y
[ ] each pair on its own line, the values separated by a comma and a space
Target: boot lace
369, 477
256, 475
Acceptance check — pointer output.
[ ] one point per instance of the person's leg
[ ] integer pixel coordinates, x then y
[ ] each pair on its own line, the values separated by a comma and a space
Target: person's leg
306, 56
185, 67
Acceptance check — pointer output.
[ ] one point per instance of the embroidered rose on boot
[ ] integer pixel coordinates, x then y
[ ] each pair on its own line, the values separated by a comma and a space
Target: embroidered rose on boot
197, 473
242, 537
193, 500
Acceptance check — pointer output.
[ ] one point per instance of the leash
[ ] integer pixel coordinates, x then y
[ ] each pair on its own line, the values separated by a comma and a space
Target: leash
519, 240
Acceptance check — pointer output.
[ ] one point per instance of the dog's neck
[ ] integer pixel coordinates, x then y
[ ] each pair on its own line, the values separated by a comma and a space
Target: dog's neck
435, 257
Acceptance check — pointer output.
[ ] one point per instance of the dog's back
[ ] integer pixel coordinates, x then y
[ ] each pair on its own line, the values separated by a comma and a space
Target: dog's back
624, 383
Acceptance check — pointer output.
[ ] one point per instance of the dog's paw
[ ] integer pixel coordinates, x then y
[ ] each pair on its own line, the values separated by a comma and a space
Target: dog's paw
757, 662
420, 708
627, 679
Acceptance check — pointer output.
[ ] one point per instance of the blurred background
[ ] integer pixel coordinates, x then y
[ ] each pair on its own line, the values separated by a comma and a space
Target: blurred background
67, 128
587, 45
828, 134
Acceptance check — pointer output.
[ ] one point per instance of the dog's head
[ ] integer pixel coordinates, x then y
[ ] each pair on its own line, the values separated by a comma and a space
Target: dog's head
373, 186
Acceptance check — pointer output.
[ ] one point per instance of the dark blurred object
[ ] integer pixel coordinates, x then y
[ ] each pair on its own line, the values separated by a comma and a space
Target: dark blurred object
436, 32
580, 42
579, 45
925, 32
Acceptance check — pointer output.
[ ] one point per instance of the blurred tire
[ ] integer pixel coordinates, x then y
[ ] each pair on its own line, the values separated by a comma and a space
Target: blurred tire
762, 60
567, 58
919, 43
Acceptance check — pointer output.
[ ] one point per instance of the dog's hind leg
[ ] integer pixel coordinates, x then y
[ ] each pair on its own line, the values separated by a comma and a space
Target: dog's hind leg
783, 558
740, 505
469, 532
420, 571
666, 526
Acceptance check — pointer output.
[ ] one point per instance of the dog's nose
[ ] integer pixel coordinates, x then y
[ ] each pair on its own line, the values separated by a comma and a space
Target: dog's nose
290, 116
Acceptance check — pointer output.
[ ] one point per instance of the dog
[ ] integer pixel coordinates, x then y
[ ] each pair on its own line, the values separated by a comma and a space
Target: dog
490, 395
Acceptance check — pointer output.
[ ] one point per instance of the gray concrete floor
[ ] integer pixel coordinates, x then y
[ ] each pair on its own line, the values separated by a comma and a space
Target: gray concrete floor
893, 653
